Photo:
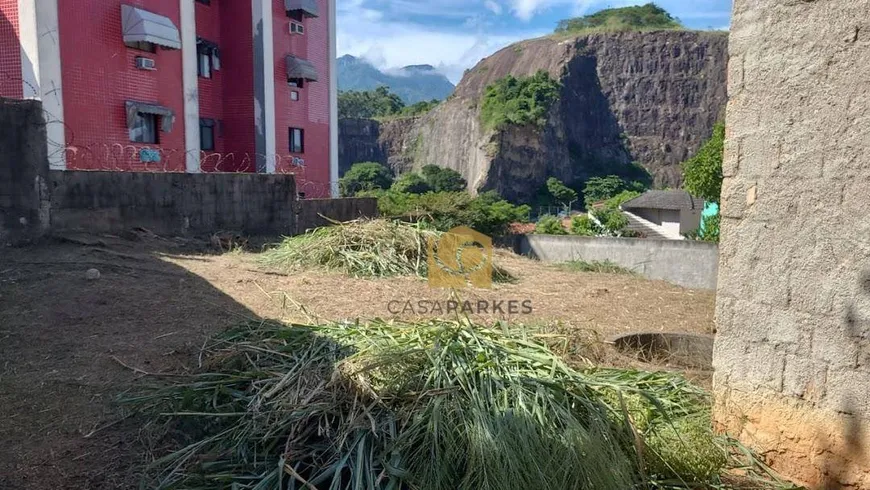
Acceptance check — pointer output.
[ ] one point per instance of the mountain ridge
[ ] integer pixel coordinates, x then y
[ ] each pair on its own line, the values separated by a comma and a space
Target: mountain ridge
413, 83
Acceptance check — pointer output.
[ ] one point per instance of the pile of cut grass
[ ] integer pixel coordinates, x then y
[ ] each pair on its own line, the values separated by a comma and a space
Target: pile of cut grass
363, 248
603, 267
429, 406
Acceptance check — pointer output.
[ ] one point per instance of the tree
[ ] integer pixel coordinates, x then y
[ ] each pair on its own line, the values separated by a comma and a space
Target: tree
702, 174
563, 194
365, 176
412, 183
369, 104
603, 188
443, 179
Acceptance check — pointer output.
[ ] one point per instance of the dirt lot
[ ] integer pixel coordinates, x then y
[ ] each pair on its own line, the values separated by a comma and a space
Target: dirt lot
69, 345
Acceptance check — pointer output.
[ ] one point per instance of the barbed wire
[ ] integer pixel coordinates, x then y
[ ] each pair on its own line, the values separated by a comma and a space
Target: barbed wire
130, 157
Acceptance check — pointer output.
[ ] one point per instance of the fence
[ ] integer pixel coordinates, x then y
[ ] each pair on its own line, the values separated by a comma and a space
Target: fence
35, 200
686, 263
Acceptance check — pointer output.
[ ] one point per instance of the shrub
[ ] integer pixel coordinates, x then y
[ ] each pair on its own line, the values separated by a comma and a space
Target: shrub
487, 213
519, 101
583, 225
638, 18
702, 174
366, 176
443, 179
563, 194
411, 183
550, 225
612, 220
603, 188
623, 197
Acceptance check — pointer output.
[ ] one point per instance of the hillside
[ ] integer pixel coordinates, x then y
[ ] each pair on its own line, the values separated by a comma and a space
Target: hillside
646, 97
415, 83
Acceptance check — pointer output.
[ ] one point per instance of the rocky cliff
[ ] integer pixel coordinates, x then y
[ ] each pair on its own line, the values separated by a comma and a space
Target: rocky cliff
650, 98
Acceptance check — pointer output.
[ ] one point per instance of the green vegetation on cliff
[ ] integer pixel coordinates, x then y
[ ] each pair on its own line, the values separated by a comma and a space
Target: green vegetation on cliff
649, 17
377, 104
519, 101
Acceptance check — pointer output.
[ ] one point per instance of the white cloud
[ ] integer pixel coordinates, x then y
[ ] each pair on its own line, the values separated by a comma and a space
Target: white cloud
389, 44
493, 6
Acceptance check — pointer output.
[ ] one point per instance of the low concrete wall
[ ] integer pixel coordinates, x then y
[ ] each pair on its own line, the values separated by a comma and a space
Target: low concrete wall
23, 171
685, 263
173, 203
319, 212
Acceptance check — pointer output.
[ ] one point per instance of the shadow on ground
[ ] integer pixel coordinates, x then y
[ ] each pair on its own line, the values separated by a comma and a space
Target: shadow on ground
69, 345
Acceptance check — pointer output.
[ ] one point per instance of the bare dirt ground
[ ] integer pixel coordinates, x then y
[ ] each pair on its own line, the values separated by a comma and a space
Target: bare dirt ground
69, 345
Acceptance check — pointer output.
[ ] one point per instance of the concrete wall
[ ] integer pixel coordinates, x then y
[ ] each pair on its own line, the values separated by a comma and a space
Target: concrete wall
173, 203
319, 212
23, 171
685, 263
792, 354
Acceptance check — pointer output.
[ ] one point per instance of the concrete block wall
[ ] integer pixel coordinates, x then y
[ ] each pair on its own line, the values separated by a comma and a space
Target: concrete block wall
685, 263
173, 203
792, 353
23, 171
313, 213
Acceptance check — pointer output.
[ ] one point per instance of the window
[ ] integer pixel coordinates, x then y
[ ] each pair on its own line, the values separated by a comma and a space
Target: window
294, 95
203, 65
206, 134
296, 82
204, 2
142, 46
207, 58
144, 128
297, 140
296, 15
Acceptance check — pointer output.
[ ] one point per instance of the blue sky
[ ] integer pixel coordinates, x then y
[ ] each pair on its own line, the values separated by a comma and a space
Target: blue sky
453, 35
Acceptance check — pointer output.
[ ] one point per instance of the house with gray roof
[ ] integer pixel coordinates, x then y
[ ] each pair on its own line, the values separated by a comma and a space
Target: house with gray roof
670, 213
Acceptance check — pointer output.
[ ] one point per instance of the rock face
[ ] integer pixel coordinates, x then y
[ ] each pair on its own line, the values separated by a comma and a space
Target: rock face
650, 98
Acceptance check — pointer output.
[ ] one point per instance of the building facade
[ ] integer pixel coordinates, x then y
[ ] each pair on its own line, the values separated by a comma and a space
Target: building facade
179, 85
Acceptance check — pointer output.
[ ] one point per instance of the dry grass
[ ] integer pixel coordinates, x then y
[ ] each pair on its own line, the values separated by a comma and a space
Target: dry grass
599, 302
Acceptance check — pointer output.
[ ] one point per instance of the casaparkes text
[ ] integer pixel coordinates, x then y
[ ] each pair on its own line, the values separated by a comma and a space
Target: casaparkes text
430, 307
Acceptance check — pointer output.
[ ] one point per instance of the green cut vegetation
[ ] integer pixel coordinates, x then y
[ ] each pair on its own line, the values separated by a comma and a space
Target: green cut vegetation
649, 17
364, 248
605, 267
513, 101
439, 405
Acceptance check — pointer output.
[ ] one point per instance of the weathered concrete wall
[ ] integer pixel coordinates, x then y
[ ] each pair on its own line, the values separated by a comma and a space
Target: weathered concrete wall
792, 354
173, 203
685, 263
319, 212
23, 171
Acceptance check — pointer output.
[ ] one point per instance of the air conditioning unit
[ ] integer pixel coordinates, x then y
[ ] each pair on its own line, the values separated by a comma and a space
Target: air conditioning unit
145, 63
297, 28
